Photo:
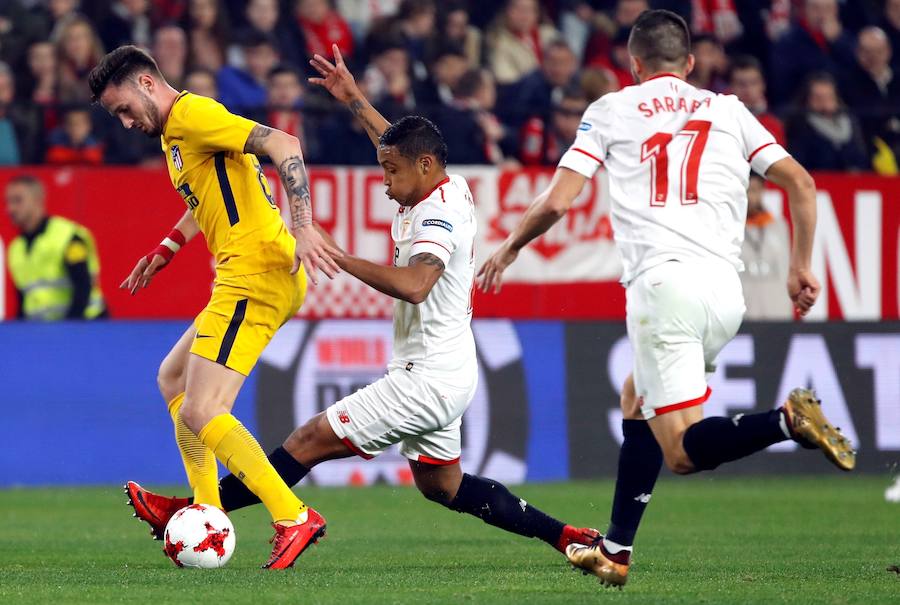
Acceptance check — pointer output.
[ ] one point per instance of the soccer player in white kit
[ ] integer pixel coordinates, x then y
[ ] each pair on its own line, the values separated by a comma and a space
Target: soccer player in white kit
433, 373
678, 160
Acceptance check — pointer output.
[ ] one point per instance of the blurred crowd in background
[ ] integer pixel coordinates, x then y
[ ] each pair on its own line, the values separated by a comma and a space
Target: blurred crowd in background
506, 80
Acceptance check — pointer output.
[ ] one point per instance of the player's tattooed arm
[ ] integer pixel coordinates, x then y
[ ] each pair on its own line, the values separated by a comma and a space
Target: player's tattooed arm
295, 180
256, 140
374, 123
427, 258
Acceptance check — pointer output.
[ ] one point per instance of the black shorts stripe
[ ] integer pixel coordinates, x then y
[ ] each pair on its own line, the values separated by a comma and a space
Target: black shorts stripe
225, 186
240, 309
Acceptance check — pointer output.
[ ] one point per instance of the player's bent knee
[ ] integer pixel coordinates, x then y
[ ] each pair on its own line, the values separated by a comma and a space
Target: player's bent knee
679, 463
197, 413
170, 380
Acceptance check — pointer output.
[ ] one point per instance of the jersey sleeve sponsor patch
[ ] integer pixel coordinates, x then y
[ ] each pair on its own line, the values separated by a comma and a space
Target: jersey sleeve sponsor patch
436, 222
584, 126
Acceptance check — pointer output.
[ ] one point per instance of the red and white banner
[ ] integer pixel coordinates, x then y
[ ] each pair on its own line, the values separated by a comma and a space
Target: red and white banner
570, 273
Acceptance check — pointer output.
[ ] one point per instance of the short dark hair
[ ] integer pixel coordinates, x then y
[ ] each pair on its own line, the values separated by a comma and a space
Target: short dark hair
660, 38
414, 136
118, 66
470, 83
30, 181
746, 62
285, 68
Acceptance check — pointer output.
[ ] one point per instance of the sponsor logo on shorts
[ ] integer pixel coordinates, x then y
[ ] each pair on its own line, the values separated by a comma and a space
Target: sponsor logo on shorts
437, 223
344, 417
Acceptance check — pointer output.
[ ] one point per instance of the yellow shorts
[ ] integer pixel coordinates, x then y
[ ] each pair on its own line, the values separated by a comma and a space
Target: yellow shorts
243, 314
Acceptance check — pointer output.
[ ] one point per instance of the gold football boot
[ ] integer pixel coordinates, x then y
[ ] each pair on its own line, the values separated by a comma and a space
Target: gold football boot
595, 560
810, 428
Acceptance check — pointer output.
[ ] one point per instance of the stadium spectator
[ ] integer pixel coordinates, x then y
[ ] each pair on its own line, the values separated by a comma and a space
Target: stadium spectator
323, 26
202, 81
284, 104
344, 140
78, 50
539, 91
716, 18
710, 65
473, 133
454, 28
543, 141
815, 42
606, 46
42, 74
872, 90
17, 30
170, 49
596, 82
264, 16
20, 125
446, 65
749, 85
890, 23
360, 15
765, 254
74, 142
516, 41
53, 262
206, 24
126, 22
243, 90
415, 23
387, 79
822, 135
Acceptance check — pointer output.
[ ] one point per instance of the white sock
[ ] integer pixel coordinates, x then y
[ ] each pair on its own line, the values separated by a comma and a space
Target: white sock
614, 547
782, 422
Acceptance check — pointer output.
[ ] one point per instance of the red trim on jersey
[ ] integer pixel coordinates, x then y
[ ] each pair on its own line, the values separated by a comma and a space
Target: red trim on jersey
667, 74
758, 149
428, 241
436, 187
684, 404
429, 460
356, 450
593, 157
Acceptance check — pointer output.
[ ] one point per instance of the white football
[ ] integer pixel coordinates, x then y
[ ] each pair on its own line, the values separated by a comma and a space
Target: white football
199, 535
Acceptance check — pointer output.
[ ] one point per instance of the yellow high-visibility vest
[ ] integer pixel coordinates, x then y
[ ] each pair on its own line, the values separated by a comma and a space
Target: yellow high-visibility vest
39, 271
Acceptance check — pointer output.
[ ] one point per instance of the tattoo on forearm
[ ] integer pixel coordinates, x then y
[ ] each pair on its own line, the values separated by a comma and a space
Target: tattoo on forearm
427, 258
255, 139
296, 183
358, 108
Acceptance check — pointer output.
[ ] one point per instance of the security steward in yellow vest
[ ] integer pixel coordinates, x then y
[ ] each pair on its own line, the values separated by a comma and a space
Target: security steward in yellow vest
53, 262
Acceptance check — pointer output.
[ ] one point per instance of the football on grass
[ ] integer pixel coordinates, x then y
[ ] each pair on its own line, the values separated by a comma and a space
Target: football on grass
199, 535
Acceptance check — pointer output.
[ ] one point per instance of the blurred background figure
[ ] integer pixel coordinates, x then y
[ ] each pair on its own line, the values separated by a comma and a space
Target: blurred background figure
323, 26
822, 135
53, 262
74, 141
78, 50
264, 17
208, 31
388, 78
765, 254
126, 22
170, 49
243, 89
454, 28
202, 81
285, 92
536, 93
749, 85
710, 65
516, 41
544, 141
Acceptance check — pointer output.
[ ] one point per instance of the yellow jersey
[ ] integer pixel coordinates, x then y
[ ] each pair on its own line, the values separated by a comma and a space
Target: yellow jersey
225, 188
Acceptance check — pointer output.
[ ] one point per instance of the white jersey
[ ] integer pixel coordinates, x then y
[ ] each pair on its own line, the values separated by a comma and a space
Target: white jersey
678, 159
436, 335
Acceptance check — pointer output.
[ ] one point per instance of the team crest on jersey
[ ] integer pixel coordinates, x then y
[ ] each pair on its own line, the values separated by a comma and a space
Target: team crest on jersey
584, 126
176, 158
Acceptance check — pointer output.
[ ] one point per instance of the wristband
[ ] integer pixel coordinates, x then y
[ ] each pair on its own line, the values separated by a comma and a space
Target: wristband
167, 248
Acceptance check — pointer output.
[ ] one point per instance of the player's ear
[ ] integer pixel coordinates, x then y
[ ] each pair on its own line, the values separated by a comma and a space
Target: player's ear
689, 65
145, 81
426, 162
637, 68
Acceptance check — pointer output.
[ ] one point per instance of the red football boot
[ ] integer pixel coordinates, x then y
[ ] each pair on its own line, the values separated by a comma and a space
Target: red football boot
577, 535
290, 542
153, 509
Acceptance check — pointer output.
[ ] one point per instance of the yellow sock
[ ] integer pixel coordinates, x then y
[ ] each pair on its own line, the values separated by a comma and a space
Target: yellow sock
236, 448
199, 461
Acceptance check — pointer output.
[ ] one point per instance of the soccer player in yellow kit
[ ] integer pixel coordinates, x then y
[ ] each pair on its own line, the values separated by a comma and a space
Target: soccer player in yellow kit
260, 284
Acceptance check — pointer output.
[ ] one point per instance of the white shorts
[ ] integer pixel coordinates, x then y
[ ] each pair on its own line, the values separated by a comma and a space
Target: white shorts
679, 316
413, 409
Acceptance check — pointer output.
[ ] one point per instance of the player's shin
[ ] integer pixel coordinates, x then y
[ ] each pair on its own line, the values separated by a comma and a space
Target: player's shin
495, 505
239, 451
715, 440
640, 460
235, 494
199, 460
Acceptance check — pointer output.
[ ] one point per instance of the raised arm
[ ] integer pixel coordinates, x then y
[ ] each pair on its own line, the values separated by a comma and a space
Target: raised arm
787, 173
284, 149
338, 80
547, 208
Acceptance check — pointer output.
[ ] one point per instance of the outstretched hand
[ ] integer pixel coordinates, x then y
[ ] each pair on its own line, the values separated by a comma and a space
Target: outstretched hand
314, 253
336, 78
143, 273
490, 276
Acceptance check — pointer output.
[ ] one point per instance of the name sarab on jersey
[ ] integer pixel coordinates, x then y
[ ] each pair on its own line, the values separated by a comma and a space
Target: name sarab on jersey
671, 105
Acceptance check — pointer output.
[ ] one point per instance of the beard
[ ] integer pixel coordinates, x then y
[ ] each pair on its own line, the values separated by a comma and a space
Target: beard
154, 122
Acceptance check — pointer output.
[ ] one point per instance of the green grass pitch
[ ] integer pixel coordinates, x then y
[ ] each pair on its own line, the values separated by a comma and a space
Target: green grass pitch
705, 539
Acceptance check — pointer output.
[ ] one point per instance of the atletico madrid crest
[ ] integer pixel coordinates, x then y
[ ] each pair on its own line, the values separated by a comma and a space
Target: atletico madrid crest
176, 158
